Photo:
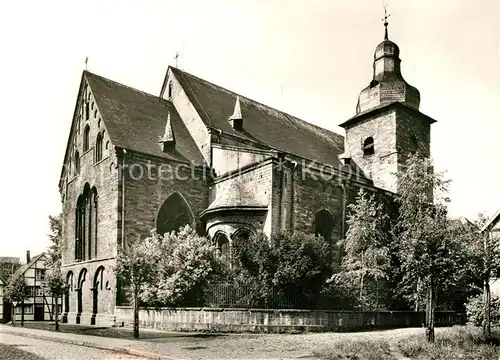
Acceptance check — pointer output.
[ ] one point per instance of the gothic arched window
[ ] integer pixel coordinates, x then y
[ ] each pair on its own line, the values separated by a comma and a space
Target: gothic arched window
174, 213
368, 146
98, 148
413, 144
86, 138
323, 224
223, 245
86, 225
170, 90
77, 162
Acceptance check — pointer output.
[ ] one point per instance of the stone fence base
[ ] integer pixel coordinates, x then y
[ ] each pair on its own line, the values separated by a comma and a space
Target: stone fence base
282, 320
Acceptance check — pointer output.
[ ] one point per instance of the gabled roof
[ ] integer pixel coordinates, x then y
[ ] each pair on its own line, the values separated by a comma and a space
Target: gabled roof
263, 124
136, 120
492, 221
25, 267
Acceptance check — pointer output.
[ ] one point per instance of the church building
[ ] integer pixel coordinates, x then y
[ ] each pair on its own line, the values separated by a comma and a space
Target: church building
199, 154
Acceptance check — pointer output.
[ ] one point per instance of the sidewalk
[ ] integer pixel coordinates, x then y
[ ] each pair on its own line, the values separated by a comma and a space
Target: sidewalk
131, 347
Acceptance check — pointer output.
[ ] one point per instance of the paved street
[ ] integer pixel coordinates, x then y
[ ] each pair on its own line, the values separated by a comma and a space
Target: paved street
23, 348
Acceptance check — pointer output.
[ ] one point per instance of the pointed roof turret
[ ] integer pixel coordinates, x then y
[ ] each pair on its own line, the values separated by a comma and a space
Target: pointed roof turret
168, 139
236, 119
388, 84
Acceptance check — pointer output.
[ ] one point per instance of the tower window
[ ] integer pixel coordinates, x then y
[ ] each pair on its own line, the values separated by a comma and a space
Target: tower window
368, 146
77, 162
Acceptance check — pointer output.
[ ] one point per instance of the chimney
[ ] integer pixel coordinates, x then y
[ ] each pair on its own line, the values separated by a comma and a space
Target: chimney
28, 258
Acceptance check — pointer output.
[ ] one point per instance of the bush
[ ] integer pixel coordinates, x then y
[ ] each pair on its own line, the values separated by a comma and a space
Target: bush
475, 310
358, 350
453, 343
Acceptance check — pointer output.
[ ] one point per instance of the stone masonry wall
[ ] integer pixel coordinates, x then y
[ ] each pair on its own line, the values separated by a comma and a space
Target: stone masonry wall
380, 166
104, 176
144, 194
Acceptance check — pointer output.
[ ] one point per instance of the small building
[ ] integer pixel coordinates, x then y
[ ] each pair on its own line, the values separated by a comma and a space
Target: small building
8, 266
4, 313
38, 306
492, 227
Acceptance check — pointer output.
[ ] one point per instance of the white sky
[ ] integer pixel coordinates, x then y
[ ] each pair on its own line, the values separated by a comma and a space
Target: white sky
319, 52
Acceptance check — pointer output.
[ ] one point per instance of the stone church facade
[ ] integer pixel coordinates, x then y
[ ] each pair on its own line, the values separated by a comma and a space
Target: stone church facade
200, 154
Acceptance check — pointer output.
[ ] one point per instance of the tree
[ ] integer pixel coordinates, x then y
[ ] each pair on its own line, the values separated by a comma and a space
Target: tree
424, 246
484, 247
54, 280
288, 269
55, 283
54, 251
186, 265
366, 246
136, 266
17, 291
304, 263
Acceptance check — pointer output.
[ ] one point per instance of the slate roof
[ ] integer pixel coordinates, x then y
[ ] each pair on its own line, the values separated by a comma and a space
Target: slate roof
261, 123
25, 267
136, 120
235, 197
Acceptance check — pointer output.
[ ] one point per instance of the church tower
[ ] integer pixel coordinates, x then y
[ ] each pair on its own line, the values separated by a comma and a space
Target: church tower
388, 124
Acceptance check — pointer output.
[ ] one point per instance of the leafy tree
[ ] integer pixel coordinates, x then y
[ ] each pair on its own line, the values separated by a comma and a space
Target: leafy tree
55, 283
136, 266
186, 265
54, 251
484, 249
366, 246
255, 265
303, 265
54, 280
425, 250
288, 269
17, 291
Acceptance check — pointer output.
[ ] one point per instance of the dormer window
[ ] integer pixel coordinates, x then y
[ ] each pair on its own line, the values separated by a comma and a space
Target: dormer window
368, 146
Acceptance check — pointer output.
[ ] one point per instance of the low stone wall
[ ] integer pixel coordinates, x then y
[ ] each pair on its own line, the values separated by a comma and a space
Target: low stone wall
282, 320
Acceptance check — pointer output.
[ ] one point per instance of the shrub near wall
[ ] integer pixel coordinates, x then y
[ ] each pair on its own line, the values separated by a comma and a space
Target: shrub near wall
283, 320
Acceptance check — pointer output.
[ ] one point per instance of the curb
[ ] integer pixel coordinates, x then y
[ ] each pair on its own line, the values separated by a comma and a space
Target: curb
88, 344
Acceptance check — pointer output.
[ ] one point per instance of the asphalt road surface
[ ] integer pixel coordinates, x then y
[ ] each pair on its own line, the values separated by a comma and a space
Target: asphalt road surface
14, 347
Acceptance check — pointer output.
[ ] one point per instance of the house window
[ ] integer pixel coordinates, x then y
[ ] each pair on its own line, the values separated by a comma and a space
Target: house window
39, 291
40, 274
86, 135
368, 146
98, 148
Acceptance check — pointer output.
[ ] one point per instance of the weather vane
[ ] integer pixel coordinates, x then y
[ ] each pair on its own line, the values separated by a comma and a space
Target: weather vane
176, 57
386, 22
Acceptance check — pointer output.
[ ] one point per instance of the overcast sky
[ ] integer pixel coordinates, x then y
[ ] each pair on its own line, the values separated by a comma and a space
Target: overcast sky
308, 57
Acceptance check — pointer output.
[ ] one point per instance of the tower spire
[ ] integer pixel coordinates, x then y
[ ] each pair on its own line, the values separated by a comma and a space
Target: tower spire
386, 22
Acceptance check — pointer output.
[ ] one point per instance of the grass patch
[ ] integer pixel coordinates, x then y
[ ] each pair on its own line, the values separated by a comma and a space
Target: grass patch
464, 342
356, 350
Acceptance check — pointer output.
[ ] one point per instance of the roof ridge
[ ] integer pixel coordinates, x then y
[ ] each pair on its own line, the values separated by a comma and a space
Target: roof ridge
126, 86
286, 114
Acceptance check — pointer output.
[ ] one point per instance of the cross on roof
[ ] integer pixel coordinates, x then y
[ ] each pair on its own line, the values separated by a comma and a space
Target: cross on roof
386, 22
176, 57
